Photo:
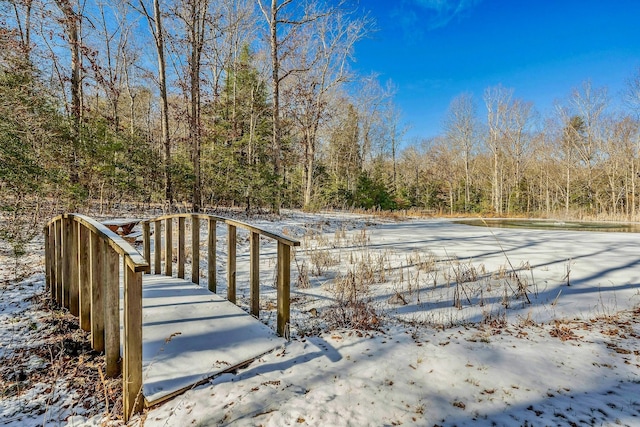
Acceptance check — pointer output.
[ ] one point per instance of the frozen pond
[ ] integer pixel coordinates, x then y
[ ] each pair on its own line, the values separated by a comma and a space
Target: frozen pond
541, 224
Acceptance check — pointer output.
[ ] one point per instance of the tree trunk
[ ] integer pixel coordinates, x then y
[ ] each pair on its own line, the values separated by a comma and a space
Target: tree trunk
71, 22
467, 197
632, 203
76, 91
198, 13
450, 198
275, 83
164, 103
497, 204
393, 159
308, 169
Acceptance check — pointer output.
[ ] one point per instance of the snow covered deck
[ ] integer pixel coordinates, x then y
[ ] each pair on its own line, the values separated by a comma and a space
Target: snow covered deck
190, 335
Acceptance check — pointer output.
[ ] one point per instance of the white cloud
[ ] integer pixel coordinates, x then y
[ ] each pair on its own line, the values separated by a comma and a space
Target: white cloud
445, 10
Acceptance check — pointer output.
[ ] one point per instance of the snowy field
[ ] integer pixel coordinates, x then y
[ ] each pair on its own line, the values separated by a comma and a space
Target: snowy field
393, 322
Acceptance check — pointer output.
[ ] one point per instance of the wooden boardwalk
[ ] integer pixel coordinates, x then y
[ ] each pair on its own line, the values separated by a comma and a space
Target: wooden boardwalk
190, 335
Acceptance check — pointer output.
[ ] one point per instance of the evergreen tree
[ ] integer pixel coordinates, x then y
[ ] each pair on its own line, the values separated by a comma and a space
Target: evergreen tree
236, 158
30, 132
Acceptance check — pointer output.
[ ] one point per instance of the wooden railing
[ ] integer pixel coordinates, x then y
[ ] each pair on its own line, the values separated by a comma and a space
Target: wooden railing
163, 233
82, 260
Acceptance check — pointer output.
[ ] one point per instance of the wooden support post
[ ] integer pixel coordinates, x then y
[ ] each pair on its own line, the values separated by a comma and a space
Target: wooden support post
146, 239
133, 400
84, 277
181, 247
74, 288
47, 259
59, 262
112, 312
98, 274
52, 260
168, 247
51, 253
284, 272
211, 256
195, 249
231, 263
157, 247
67, 241
254, 272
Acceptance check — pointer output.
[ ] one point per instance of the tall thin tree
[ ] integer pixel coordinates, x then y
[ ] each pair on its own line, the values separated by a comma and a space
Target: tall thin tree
155, 22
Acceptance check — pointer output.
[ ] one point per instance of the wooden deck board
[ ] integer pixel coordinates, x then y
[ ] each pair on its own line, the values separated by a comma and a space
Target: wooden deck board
190, 334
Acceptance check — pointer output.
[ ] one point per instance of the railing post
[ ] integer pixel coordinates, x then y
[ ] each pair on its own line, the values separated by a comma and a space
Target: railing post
254, 272
146, 239
181, 247
211, 256
98, 274
168, 247
84, 277
112, 311
195, 249
231, 263
59, 261
74, 255
67, 241
47, 259
157, 247
284, 272
132, 359
53, 260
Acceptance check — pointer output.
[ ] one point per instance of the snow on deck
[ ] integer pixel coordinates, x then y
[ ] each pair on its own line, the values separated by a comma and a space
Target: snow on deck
190, 334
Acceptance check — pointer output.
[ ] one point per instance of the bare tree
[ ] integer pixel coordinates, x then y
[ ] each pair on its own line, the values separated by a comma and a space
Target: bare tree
545, 166
71, 22
343, 151
631, 95
497, 100
461, 129
589, 104
519, 136
155, 22
324, 49
23, 10
129, 58
510, 124
394, 132
631, 98
113, 37
283, 23
441, 158
619, 153
370, 98
195, 19
571, 132
411, 169
274, 19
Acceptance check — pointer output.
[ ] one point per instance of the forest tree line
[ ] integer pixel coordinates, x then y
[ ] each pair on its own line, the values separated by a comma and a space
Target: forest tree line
254, 104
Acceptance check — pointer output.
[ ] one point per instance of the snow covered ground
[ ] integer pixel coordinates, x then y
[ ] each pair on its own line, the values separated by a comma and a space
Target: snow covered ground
407, 322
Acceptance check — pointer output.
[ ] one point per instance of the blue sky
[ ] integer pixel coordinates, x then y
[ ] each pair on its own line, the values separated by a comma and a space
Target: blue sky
434, 50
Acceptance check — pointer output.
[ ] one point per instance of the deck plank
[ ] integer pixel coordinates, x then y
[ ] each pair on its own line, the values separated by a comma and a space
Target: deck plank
190, 334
